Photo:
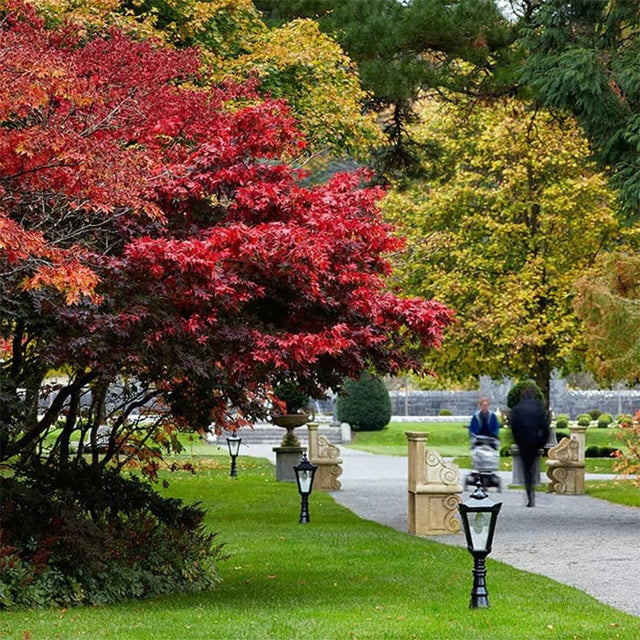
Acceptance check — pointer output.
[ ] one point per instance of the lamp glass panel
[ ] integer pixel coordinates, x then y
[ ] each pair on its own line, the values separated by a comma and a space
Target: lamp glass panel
234, 445
479, 522
304, 478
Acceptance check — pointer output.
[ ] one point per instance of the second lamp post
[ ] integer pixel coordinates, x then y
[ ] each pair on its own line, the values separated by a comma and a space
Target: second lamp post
233, 442
305, 471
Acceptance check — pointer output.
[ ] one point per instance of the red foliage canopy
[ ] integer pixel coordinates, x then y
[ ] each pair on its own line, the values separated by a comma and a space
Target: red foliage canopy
149, 228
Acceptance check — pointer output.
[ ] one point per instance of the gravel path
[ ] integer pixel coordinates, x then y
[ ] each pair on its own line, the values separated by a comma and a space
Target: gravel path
590, 544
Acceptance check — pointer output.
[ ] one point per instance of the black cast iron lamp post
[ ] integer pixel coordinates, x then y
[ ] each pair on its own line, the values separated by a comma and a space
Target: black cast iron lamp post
233, 442
305, 471
479, 515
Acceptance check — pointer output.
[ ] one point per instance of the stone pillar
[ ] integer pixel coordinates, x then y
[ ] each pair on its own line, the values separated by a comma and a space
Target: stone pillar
433, 489
517, 468
325, 455
579, 434
565, 466
286, 459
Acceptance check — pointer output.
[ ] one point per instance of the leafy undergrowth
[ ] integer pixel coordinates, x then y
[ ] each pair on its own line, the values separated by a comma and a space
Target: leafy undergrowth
338, 577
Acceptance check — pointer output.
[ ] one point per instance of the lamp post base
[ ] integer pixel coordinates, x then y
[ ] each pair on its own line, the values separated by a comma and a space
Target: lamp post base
234, 470
479, 594
304, 510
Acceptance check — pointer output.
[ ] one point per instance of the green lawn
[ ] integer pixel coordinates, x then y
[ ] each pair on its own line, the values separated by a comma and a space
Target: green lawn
338, 577
452, 440
620, 491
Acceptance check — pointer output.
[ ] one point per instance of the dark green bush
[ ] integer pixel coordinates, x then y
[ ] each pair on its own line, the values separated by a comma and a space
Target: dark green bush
87, 536
445, 412
515, 393
594, 413
365, 404
600, 452
504, 451
584, 420
608, 452
604, 420
562, 421
562, 434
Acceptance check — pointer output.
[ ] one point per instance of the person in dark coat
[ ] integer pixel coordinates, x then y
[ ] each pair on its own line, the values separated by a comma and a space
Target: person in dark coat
529, 422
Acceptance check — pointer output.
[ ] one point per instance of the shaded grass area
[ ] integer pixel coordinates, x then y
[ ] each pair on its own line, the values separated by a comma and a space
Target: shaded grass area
337, 577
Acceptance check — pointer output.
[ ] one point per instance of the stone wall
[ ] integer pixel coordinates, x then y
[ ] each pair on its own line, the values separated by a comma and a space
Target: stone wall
463, 403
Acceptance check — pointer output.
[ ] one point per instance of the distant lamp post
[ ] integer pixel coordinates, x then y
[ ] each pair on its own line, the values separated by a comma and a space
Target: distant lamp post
233, 442
479, 515
305, 471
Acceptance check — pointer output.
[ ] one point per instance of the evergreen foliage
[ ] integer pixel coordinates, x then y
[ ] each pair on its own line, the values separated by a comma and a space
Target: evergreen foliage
584, 57
365, 403
404, 49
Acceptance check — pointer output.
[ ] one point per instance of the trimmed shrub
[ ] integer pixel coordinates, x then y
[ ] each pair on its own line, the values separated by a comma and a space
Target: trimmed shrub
604, 420
594, 413
90, 536
600, 452
515, 393
562, 434
365, 403
584, 420
445, 412
504, 451
562, 422
624, 420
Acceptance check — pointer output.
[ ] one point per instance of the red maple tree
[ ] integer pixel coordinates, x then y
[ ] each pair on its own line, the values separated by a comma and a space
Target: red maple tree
155, 245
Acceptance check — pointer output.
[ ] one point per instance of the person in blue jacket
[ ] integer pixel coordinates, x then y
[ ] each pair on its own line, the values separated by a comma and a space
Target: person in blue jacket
484, 422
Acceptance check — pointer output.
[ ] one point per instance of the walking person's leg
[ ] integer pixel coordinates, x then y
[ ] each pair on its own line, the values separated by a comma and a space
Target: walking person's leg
528, 463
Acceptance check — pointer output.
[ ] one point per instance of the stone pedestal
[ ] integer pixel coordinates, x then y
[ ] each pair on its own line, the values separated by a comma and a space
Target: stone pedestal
286, 459
565, 466
326, 456
433, 489
517, 472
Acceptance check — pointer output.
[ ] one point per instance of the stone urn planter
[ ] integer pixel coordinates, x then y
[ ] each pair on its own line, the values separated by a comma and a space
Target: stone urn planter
289, 452
290, 421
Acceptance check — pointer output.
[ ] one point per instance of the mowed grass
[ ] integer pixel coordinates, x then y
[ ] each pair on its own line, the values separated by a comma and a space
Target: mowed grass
620, 491
338, 577
451, 439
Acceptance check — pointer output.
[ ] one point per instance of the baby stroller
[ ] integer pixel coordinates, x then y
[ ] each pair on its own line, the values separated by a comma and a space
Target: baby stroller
485, 461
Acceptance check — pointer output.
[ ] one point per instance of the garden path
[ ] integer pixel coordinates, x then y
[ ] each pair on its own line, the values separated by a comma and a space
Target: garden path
580, 541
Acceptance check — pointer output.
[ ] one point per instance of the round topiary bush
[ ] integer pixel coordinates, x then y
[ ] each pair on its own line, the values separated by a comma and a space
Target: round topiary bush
365, 404
592, 452
515, 393
604, 420
562, 421
608, 452
445, 412
594, 413
562, 434
584, 420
